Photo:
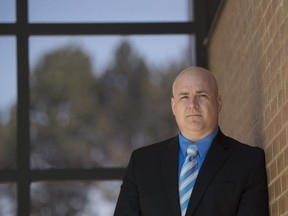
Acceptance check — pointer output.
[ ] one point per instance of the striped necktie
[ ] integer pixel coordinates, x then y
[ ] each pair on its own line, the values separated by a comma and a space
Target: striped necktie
187, 177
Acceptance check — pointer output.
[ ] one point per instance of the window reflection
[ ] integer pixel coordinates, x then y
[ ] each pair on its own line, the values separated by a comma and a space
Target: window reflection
7, 102
7, 11
73, 198
85, 118
7, 199
108, 11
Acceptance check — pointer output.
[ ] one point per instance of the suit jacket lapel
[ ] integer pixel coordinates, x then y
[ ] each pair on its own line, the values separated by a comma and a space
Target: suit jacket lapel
169, 163
215, 158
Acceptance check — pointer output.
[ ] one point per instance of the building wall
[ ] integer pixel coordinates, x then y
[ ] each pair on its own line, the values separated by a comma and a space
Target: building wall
248, 53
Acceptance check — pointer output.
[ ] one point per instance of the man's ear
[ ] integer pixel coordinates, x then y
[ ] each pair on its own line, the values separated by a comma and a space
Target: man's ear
172, 105
219, 103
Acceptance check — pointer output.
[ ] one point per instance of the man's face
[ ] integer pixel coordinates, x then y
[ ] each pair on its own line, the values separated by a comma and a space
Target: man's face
196, 104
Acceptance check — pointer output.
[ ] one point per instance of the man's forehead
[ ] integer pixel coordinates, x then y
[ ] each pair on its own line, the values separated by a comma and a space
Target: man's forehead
191, 89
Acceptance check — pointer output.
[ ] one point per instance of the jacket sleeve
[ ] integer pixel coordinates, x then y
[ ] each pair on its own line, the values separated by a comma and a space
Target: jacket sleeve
254, 199
128, 200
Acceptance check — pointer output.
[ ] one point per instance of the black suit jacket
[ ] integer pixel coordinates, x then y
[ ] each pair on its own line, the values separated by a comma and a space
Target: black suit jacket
231, 182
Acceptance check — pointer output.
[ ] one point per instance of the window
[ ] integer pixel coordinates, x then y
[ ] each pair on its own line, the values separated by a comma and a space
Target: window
113, 124
8, 199
77, 11
82, 88
7, 11
8, 120
74, 198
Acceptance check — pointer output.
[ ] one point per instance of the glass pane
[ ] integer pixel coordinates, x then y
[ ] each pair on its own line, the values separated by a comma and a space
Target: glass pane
74, 199
92, 95
108, 11
8, 200
8, 89
7, 11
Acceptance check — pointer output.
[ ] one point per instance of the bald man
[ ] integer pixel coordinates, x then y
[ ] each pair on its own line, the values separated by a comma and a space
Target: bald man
199, 172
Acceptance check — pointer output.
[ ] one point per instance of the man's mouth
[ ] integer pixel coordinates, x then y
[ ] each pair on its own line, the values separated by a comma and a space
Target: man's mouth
194, 115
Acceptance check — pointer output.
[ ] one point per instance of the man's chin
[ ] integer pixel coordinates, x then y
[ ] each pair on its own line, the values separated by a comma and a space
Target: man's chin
196, 127
194, 124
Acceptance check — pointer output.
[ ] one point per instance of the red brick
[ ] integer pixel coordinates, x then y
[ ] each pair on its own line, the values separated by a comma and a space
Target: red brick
248, 51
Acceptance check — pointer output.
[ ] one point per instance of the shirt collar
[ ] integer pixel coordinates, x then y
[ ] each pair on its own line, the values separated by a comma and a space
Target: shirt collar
203, 145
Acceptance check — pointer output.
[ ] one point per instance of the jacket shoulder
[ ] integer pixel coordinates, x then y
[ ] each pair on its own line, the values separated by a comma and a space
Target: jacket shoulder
157, 147
240, 147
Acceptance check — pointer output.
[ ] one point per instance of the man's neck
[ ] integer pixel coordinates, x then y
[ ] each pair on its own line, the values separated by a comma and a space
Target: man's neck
196, 136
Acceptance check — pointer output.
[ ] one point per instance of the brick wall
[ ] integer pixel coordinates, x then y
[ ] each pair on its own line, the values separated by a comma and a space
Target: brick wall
248, 52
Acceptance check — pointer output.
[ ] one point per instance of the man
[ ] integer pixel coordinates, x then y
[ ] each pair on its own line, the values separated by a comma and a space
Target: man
200, 172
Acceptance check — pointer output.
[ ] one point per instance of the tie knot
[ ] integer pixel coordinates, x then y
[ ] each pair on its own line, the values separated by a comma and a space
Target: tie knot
192, 150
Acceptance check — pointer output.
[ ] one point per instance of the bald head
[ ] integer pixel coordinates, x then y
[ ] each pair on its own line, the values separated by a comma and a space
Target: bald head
195, 73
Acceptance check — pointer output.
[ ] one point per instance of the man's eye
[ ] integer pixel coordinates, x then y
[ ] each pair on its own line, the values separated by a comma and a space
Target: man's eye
184, 97
202, 95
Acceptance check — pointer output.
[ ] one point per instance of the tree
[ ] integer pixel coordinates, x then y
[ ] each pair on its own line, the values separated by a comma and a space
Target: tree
8, 141
125, 91
62, 108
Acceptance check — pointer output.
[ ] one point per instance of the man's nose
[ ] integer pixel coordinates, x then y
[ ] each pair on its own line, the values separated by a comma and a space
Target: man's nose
193, 103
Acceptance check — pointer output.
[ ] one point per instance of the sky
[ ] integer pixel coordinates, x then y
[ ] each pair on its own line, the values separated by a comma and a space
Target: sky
155, 49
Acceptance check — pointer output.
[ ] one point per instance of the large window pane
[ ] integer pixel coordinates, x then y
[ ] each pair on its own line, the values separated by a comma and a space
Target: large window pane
74, 199
8, 101
8, 200
108, 11
7, 11
95, 99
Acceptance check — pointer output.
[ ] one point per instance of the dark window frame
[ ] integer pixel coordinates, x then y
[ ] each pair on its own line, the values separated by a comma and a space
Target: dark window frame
23, 175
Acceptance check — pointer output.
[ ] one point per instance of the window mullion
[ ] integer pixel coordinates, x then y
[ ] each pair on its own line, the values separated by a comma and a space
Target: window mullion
23, 146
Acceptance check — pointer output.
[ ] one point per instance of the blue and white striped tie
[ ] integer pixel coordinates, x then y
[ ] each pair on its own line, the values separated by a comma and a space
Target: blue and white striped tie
187, 177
